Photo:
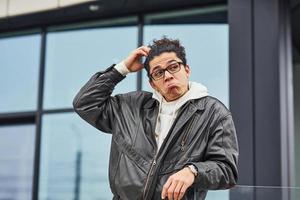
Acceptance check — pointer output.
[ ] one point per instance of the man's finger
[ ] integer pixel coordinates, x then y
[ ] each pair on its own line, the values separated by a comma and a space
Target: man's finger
142, 52
145, 48
182, 191
165, 188
171, 189
177, 190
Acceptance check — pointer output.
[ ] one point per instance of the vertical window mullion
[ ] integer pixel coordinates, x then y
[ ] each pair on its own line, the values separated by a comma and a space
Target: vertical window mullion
35, 188
140, 43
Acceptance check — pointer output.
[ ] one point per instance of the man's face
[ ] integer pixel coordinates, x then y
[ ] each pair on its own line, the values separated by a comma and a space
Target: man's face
172, 85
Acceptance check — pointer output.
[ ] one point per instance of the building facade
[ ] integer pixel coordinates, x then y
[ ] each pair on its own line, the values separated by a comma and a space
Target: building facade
246, 52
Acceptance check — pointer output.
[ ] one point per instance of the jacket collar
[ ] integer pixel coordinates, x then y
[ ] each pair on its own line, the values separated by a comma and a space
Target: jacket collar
151, 103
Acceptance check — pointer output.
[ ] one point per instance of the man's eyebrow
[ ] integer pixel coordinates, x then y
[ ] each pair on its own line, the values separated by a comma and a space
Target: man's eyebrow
171, 61
158, 66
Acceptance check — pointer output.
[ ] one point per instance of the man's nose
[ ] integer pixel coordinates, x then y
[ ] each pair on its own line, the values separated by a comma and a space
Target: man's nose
168, 75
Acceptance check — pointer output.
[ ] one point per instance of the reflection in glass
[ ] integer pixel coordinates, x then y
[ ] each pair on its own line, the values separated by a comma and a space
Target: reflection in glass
217, 195
16, 161
246, 192
74, 56
19, 67
74, 159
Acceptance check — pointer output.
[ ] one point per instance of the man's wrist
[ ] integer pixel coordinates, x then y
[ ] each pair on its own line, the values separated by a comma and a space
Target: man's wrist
193, 169
121, 67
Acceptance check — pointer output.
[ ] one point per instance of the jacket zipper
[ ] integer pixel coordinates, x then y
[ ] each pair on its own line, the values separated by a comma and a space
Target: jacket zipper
183, 141
154, 160
150, 172
151, 168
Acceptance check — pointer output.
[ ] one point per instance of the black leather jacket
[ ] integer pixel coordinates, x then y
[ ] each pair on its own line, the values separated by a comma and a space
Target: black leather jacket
203, 134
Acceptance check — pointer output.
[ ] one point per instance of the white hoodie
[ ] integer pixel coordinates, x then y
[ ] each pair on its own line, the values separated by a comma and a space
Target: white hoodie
169, 110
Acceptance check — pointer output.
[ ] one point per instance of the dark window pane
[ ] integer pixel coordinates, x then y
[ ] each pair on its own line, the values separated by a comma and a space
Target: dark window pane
16, 161
296, 82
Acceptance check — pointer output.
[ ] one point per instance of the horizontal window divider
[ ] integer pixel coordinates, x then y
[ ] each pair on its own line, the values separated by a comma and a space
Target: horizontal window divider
59, 110
17, 118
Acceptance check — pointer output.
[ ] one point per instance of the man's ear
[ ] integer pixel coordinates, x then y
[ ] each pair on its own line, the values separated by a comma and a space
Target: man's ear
187, 70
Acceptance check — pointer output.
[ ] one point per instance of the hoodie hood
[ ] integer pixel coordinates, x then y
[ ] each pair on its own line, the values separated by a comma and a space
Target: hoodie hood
169, 110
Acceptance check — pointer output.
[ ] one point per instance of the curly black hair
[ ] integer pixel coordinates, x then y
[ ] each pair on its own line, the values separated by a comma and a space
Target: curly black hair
164, 45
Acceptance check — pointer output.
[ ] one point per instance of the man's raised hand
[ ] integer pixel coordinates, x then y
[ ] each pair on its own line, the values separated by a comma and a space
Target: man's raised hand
133, 61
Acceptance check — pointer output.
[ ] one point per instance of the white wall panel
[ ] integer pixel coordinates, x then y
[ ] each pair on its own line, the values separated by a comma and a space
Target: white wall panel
71, 2
3, 8
17, 7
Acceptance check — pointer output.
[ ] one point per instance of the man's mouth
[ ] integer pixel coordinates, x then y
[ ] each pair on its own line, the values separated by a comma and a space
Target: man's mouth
170, 85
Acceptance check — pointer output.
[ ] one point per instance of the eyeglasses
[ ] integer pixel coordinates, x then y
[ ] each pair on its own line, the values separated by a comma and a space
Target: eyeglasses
160, 73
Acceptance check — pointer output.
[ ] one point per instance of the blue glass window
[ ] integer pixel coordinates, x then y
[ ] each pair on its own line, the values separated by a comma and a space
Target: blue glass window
205, 41
204, 34
74, 157
16, 161
19, 72
74, 56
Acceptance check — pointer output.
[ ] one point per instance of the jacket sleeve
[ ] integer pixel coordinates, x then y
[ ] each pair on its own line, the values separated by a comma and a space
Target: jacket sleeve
94, 102
219, 169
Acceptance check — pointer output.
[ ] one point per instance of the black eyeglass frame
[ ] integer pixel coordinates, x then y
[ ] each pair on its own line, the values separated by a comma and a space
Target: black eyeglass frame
167, 69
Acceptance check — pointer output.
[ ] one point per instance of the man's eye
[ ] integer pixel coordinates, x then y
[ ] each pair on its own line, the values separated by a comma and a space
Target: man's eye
173, 67
158, 73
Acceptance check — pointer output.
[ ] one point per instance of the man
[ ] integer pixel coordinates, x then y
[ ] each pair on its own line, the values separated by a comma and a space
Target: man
174, 143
